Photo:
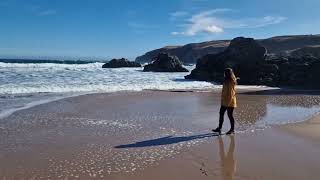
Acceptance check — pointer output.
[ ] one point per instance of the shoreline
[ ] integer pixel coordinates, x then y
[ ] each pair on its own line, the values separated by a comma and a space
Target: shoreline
64, 95
143, 134
34, 103
244, 90
31, 104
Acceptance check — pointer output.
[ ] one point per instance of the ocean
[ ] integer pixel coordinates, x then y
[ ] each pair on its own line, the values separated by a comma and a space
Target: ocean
27, 83
24, 84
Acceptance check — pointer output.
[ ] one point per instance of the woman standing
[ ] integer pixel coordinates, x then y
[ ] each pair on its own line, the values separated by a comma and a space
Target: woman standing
228, 100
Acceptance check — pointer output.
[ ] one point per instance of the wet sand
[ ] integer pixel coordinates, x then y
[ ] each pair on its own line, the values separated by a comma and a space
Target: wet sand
269, 154
162, 135
309, 129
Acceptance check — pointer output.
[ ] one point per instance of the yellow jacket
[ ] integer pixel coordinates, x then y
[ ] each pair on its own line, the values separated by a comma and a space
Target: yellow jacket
228, 95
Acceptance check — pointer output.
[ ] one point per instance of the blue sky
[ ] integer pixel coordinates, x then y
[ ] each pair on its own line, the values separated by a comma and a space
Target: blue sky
128, 28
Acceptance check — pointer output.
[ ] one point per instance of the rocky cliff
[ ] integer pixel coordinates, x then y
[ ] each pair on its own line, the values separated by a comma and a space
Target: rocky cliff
189, 53
250, 61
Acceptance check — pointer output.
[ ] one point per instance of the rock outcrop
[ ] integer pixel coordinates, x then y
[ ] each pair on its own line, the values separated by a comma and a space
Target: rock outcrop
244, 55
118, 63
165, 63
298, 72
188, 54
251, 63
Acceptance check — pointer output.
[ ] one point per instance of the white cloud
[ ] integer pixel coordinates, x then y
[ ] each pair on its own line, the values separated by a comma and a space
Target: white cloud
202, 22
267, 20
178, 13
175, 33
47, 12
214, 11
39, 11
208, 22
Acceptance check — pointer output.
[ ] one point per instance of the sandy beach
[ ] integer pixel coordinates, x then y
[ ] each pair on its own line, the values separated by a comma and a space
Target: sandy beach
163, 135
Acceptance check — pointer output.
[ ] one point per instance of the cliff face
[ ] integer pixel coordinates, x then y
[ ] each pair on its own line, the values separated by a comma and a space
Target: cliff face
190, 53
311, 51
282, 44
148, 57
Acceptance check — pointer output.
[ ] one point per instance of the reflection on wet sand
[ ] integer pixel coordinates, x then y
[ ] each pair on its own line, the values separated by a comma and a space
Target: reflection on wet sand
254, 108
228, 161
274, 109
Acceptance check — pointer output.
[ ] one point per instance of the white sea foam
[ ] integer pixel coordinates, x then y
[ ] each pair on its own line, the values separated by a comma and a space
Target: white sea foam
33, 78
17, 103
57, 78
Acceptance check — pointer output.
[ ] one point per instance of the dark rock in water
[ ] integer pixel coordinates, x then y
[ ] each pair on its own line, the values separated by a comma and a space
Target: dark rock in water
165, 63
118, 63
249, 61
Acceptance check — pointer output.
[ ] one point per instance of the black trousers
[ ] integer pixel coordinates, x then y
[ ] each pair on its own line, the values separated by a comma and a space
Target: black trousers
229, 110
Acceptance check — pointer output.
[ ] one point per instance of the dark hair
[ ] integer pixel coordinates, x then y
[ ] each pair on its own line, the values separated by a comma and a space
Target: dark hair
229, 75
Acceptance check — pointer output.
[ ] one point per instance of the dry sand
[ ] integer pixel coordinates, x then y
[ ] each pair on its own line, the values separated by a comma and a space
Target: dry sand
162, 135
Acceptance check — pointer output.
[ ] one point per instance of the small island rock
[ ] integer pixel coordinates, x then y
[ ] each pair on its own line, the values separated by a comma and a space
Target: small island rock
118, 63
164, 62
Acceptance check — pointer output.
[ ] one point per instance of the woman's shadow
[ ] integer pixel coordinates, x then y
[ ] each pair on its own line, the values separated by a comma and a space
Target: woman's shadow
165, 141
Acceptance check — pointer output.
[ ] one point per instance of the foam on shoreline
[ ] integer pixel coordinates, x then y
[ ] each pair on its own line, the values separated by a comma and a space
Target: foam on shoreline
35, 102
